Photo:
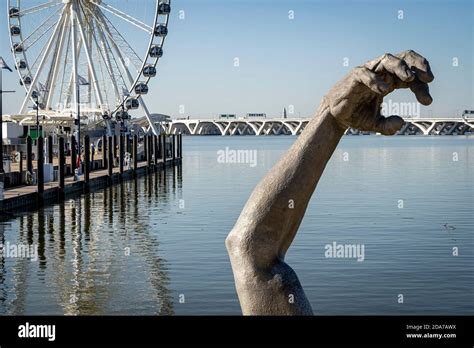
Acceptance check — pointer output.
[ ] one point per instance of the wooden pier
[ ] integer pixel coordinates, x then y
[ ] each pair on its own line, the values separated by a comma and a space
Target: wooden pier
156, 157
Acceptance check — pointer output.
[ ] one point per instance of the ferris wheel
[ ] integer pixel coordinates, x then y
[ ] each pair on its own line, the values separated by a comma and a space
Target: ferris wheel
90, 58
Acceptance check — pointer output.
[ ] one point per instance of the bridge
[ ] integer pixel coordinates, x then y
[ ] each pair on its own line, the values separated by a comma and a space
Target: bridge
290, 126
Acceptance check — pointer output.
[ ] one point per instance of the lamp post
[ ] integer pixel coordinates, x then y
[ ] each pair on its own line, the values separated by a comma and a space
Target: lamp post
3, 65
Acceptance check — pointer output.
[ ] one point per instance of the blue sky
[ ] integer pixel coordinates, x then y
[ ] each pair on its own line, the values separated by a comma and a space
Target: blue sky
293, 61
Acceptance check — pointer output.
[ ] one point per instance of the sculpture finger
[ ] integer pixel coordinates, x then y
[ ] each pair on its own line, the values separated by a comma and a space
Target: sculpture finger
421, 91
418, 64
371, 80
389, 125
395, 66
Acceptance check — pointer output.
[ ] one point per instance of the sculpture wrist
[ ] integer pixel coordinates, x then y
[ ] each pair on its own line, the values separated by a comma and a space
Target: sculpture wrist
325, 111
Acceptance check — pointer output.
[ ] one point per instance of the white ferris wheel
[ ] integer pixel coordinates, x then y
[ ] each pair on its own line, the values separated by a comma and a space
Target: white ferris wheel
89, 59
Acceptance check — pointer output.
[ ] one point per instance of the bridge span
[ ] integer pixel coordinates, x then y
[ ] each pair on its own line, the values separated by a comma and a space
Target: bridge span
290, 126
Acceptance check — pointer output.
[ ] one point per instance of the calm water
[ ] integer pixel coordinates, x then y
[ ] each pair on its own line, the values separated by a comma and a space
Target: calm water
156, 246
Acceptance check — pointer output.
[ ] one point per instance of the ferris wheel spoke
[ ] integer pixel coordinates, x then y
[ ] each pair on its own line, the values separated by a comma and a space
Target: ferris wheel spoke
41, 65
131, 80
114, 35
124, 16
87, 51
56, 67
40, 31
103, 47
41, 7
104, 53
123, 64
76, 53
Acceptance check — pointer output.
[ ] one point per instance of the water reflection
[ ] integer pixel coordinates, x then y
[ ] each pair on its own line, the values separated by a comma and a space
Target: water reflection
97, 254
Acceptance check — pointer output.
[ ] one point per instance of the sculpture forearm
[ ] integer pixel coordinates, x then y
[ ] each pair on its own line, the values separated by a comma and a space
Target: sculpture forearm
281, 197
265, 283
269, 221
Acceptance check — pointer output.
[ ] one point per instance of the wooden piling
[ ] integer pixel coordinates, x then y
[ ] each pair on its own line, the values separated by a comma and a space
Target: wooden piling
104, 152
174, 147
50, 149
163, 148
40, 165
160, 145
150, 151
21, 167
62, 164
155, 149
29, 155
145, 144
135, 153
110, 157
87, 155
121, 154
73, 155
115, 145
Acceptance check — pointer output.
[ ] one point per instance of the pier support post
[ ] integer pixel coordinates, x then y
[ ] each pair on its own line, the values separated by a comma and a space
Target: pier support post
155, 149
121, 154
73, 155
135, 153
50, 149
104, 152
29, 155
163, 148
21, 167
40, 165
150, 151
159, 147
62, 164
180, 145
114, 138
110, 157
87, 154
174, 147
92, 165
128, 141
177, 145
145, 146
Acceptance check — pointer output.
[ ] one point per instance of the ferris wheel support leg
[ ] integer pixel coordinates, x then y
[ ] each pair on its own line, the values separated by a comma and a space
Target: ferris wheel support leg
148, 116
41, 65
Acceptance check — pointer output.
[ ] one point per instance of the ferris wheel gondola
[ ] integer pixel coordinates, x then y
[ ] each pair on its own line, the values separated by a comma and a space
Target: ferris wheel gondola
82, 54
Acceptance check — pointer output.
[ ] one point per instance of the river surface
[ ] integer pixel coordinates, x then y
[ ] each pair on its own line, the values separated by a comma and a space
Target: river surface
156, 245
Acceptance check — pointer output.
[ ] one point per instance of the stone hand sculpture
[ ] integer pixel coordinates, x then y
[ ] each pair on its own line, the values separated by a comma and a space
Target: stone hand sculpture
257, 244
